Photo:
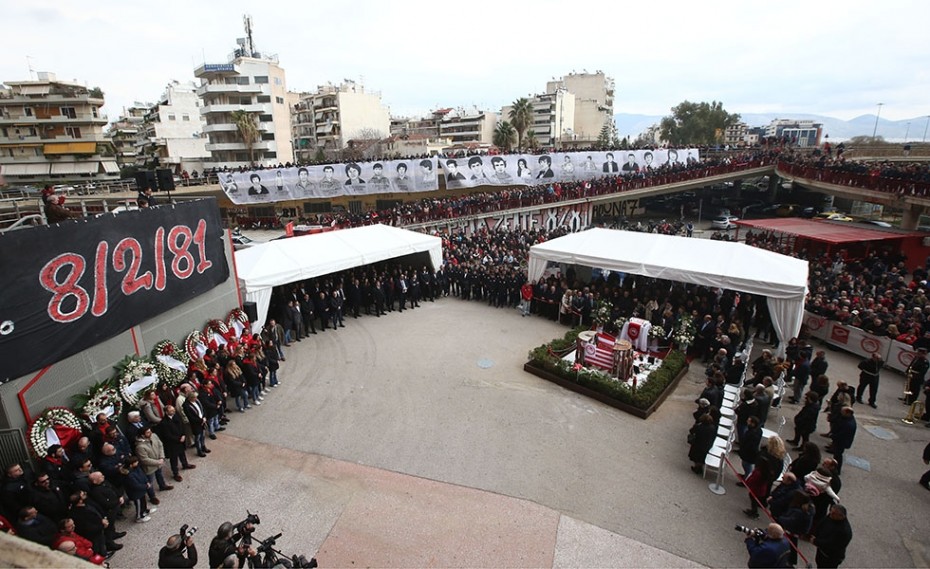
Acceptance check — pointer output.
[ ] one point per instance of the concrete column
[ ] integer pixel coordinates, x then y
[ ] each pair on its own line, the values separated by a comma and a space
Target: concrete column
910, 217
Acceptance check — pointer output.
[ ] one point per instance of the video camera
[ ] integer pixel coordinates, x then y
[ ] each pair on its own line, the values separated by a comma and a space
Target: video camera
757, 534
186, 532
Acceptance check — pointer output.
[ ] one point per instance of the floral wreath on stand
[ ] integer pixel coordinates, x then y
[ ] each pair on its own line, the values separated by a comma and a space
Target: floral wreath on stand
99, 398
56, 425
684, 335
238, 316
170, 362
191, 343
602, 312
134, 376
657, 332
214, 328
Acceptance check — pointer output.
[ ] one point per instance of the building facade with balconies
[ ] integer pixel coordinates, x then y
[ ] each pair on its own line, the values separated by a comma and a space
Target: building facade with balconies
464, 126
53, 132
327, 119
173, 131
127, 132
254, 84
594, 103
803, 133
553, 122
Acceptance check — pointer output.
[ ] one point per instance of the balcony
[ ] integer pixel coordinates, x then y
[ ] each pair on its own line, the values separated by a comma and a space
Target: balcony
77, 119
227, 108
238, 146
221, 127
227, 88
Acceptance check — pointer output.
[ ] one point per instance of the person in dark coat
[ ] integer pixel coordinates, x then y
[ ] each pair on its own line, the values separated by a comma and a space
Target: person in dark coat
14, 491
925, 479
797, 521
173, 554
171, 433
48, 497
869, 370
807, 461
781, 496
108, 501
749, 444
89, 521
137, 486
768, 468
704, 434
35, 527
832, 537
844, 433
805, 422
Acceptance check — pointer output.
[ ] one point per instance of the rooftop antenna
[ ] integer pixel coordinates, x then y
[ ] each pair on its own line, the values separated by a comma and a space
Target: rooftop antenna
32, 72
249, 47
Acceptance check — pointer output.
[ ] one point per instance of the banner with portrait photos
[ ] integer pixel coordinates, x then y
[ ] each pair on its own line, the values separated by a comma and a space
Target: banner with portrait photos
422, 175
331, 180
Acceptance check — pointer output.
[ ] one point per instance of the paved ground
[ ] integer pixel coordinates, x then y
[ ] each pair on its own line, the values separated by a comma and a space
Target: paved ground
389, 446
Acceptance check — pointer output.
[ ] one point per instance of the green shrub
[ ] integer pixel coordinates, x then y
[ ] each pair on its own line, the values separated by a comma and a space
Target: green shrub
546, 358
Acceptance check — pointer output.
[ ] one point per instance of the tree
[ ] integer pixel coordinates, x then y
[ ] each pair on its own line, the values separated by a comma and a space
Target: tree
248, 130
531, 141
603, 139
96, 93
320, 155
504, 133
696, 123
521, 117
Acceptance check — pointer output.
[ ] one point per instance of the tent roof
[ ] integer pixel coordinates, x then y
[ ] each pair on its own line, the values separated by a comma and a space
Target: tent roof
290, 260
820, 230
706, 262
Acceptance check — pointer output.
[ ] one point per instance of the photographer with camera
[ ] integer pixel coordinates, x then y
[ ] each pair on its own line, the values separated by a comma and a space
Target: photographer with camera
224, 552
769, 548
172, 554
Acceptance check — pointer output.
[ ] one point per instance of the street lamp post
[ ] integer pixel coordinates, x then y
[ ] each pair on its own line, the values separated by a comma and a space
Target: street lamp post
907, 131
925, 128
875, 130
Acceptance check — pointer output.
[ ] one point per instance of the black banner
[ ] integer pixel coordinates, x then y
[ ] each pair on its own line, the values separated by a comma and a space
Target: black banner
67, 287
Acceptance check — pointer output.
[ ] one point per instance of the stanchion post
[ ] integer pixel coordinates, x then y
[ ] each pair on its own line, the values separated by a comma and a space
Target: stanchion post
717, 485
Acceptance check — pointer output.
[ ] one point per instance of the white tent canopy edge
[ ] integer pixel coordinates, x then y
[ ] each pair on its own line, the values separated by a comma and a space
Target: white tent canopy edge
284, 261
736, 266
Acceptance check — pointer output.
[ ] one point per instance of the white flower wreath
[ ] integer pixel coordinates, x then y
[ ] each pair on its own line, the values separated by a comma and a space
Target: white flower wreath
170, 362
135, 377
42, 432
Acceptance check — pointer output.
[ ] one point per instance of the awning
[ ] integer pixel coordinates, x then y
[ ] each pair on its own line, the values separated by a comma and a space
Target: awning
70, 148
110, 167
34, 89
834, 232
75, 168
24, 170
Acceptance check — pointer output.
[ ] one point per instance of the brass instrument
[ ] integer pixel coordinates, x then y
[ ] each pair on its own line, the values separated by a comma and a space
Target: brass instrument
916, 410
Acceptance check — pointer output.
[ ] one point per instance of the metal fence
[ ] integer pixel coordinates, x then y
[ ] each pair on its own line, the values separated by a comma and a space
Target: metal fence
13, 448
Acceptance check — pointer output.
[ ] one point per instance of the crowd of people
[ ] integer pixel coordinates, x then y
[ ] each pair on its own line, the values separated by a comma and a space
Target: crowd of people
902, 178
78, 496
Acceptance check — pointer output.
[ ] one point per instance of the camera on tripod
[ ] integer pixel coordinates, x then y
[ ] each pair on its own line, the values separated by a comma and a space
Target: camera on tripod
757, 534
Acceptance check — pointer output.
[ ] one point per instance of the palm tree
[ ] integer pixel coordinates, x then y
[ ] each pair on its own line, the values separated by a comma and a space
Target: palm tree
504, 134
248, 130
521, 117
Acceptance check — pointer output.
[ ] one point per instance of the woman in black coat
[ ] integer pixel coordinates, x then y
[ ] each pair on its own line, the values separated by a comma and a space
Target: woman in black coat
807, 461
704, 434
805, 422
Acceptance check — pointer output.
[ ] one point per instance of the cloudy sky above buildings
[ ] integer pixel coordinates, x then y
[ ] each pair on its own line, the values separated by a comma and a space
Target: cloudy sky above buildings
835, 59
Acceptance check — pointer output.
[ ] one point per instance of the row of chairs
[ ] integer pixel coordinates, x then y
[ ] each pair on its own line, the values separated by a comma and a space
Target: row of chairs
726, 429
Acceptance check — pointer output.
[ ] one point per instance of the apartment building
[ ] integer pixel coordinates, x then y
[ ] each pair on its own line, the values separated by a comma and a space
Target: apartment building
803, 133
52, 131
333, 115
255, 83
126, 133
594, 103
173, 130
553, 122
469, 125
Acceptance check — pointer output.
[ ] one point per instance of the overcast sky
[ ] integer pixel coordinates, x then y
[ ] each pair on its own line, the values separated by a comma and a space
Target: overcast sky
832, 58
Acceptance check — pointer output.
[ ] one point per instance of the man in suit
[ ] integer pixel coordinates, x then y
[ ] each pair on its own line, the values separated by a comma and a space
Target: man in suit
610, 166
630, 164
171, 432
400, 289
197, 419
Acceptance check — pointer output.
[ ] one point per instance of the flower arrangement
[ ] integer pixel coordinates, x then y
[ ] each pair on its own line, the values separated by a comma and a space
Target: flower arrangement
170, 362
619, 322
56, 425
133, 376
100, 398
602, 312
193, 343
216, 332
237, 320
657, 332
684, 334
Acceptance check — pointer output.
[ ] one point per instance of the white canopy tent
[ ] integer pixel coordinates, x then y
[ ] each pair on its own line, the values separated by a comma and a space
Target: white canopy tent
284, 261
736, 266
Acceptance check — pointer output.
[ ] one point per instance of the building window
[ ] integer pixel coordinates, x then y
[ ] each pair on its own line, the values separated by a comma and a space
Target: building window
261, 79
27, 111
279, 100
263, 99
242, 80
93, 111
265, 118
271, 155
68, 112
73, 131
172, 117
267, 136
186, 117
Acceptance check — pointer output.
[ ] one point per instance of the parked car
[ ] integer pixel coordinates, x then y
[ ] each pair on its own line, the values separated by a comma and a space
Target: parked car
876, 223
240, 241
63, 189
725, 222
833, 216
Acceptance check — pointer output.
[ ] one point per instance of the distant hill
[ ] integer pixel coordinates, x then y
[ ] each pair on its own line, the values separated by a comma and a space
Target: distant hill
837, 129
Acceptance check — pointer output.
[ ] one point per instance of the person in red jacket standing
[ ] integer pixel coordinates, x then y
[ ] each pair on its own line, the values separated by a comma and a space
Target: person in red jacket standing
526, 297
